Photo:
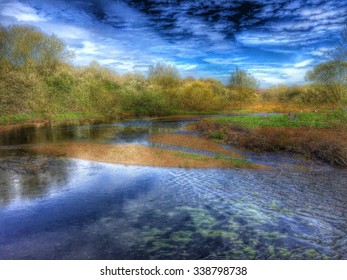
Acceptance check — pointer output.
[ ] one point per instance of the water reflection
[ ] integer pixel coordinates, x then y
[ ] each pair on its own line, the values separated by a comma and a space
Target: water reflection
18, 185
131, 131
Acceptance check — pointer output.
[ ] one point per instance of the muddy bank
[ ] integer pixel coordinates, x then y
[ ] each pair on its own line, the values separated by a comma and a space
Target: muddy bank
194, 142
137, 155
328, 145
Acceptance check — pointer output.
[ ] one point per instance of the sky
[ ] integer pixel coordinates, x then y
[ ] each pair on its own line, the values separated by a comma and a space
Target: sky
277, 41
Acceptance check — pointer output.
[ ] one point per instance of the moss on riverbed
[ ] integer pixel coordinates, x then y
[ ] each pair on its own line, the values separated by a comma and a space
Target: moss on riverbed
135, 155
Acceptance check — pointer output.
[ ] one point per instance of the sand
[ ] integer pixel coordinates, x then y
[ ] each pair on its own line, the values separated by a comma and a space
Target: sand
136, 155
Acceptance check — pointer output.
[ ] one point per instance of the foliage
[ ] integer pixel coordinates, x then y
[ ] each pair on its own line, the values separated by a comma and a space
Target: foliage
242, 86
331, 79
240, 79
166, 76
28, 47
199, 96
147, 102
97, 90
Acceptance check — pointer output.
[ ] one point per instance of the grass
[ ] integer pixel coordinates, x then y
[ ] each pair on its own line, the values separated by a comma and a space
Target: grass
237, 162
70, 115
320, 135
272, 106
324, 119
219, 135
16, 118
191, 156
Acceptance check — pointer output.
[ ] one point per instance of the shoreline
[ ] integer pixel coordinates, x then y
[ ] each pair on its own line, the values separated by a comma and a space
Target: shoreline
41, 122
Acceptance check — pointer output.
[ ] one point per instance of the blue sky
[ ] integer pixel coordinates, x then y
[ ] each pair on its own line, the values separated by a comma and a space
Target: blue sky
276, 41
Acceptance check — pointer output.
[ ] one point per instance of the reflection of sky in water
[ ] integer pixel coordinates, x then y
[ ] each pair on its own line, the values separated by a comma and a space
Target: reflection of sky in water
119, 212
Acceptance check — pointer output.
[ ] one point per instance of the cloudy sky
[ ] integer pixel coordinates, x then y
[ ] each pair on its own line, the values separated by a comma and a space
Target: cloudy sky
275, 40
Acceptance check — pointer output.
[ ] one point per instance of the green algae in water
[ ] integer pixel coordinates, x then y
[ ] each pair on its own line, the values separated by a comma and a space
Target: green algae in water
182, 236
218, 233
269, 234
271, 252
201, 227
149, 234
200, 218
284, 253
250, 252
311, 254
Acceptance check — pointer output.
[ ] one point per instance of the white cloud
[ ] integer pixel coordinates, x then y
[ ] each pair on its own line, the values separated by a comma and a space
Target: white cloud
303, 63
186, 66
256, 38
225, 61
20, 12
322, 52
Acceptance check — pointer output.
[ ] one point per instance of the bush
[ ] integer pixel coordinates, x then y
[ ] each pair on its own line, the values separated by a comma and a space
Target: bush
199, 96
148, 102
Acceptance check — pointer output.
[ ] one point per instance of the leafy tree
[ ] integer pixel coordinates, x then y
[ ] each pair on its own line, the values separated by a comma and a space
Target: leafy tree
331, 78
166, 76
242, 86
240, 79
28, 47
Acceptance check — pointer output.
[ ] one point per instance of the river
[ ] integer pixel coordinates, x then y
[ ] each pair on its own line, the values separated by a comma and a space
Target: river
77, 209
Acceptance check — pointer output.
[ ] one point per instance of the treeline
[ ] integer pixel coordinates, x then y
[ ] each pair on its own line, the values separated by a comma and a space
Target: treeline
327, 84
37, 77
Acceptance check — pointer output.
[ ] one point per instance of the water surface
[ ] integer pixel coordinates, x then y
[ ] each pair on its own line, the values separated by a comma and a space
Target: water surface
76, 209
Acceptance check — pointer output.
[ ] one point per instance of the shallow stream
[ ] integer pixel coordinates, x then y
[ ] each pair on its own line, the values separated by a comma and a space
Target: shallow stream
76, 209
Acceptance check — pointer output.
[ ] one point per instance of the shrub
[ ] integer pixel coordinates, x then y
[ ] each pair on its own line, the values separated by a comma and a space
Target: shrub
199, 96
148, 102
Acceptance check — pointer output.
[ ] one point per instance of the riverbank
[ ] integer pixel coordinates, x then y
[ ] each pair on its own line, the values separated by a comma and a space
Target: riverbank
321, 136
9, 122
137, 155
25, 120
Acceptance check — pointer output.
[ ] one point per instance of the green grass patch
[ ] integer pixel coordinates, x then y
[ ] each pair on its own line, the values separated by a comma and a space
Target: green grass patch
235, 161
217, 135
191, 156
16, 118
324, 119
